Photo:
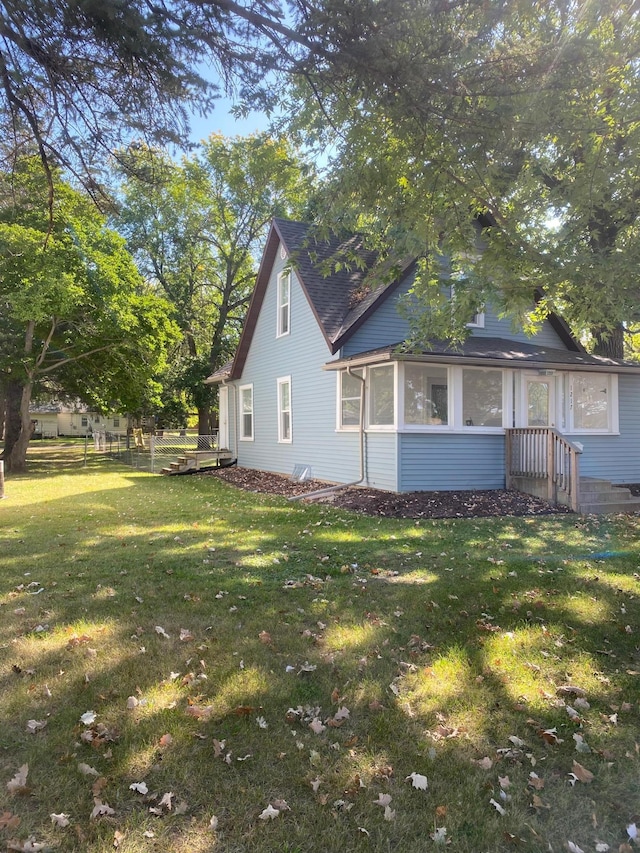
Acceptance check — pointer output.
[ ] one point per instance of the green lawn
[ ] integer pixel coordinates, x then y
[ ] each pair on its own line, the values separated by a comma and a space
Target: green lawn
239, 653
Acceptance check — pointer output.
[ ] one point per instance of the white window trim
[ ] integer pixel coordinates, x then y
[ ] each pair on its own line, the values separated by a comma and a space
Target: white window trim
613, 408
367, 402
284, 380
477, 322
340, 427
280, 305
241, 413
478, 317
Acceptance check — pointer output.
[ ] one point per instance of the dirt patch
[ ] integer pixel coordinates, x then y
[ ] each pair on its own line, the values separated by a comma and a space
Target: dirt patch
467, 504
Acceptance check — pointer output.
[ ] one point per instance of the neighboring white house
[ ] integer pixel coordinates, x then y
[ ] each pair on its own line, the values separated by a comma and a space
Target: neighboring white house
60, 419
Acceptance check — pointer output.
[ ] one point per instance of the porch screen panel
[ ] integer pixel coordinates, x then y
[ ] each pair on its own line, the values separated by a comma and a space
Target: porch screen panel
426, 395
482, 398
381, 396
591, 402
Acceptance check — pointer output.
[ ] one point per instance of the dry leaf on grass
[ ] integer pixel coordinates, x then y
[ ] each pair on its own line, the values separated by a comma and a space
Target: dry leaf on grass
269, 813
9, 821
581, 773
19, 782
60, 819
418, 781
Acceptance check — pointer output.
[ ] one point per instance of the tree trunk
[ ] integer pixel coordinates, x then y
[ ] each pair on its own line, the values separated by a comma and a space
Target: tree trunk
13, 420
204, 420
17, 459
609, 343
3, 409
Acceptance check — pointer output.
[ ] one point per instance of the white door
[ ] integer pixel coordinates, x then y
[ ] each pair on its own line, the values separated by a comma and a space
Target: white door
223, 402
540, 401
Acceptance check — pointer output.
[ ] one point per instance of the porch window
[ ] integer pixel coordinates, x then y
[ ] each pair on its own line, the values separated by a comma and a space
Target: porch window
284, 409
246, 412
381, 395
426, 395
116, 422
593, 407
350, 390
481, 398
284, 303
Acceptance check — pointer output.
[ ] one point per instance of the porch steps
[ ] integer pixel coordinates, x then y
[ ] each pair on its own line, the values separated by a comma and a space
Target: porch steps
600, 497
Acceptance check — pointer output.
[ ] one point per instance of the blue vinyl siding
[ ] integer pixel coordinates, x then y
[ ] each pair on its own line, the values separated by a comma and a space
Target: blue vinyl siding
616, 457
387, 326
501, 327
449, 462
332, 456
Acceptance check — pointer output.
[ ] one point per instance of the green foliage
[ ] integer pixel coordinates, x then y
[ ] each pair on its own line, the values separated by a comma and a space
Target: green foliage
196, 229
78, 315
522, 117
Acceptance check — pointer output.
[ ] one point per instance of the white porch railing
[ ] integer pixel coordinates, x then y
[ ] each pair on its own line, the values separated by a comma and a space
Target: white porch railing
544, 460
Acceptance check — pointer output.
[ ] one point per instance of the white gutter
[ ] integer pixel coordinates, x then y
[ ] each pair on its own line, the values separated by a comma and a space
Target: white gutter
330, 489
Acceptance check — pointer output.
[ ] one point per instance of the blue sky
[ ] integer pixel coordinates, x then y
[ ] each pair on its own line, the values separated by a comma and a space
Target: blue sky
220, 120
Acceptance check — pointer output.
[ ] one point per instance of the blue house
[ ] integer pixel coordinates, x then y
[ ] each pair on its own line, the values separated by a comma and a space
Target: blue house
320, 383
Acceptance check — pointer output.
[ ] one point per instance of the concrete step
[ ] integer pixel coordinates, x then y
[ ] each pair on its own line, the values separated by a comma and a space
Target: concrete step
601, 497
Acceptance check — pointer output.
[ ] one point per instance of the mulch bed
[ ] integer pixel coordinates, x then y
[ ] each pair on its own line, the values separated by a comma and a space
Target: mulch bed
467, 504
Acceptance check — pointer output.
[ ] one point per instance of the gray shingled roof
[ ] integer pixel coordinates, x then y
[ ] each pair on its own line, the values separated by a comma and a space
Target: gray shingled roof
339, 298
480, 350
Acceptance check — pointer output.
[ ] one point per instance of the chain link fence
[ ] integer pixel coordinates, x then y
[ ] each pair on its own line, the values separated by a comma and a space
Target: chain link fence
153, 452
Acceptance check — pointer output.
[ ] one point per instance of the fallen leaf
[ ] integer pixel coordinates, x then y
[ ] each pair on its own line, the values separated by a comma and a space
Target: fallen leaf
166, 800
87, 770
9, 821
484, 763
581, 773
535, 781
59, 819
101, 809
317, 726
19, 781
265, 637
213, 823
88, 718
139, 787
383, 800
538, 803
573, 848
497, 807
389, 813
439, 835
185, 635
28, 846
418, 781
34, 726
269, 813
132, 703
160, 630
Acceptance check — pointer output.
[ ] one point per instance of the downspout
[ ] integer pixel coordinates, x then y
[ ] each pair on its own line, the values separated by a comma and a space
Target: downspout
330, 489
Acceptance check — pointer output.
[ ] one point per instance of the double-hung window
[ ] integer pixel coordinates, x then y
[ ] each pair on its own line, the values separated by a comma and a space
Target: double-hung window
284, 409
284, 304
350, 397
246, 412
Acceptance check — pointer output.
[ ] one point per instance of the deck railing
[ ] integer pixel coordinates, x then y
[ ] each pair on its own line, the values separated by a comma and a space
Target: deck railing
542, 454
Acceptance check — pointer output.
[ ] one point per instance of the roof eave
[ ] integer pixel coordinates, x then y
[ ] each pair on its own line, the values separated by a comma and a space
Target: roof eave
476, 361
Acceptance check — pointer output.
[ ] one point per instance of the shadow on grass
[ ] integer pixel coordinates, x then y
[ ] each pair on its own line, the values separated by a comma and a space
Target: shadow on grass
421, 631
